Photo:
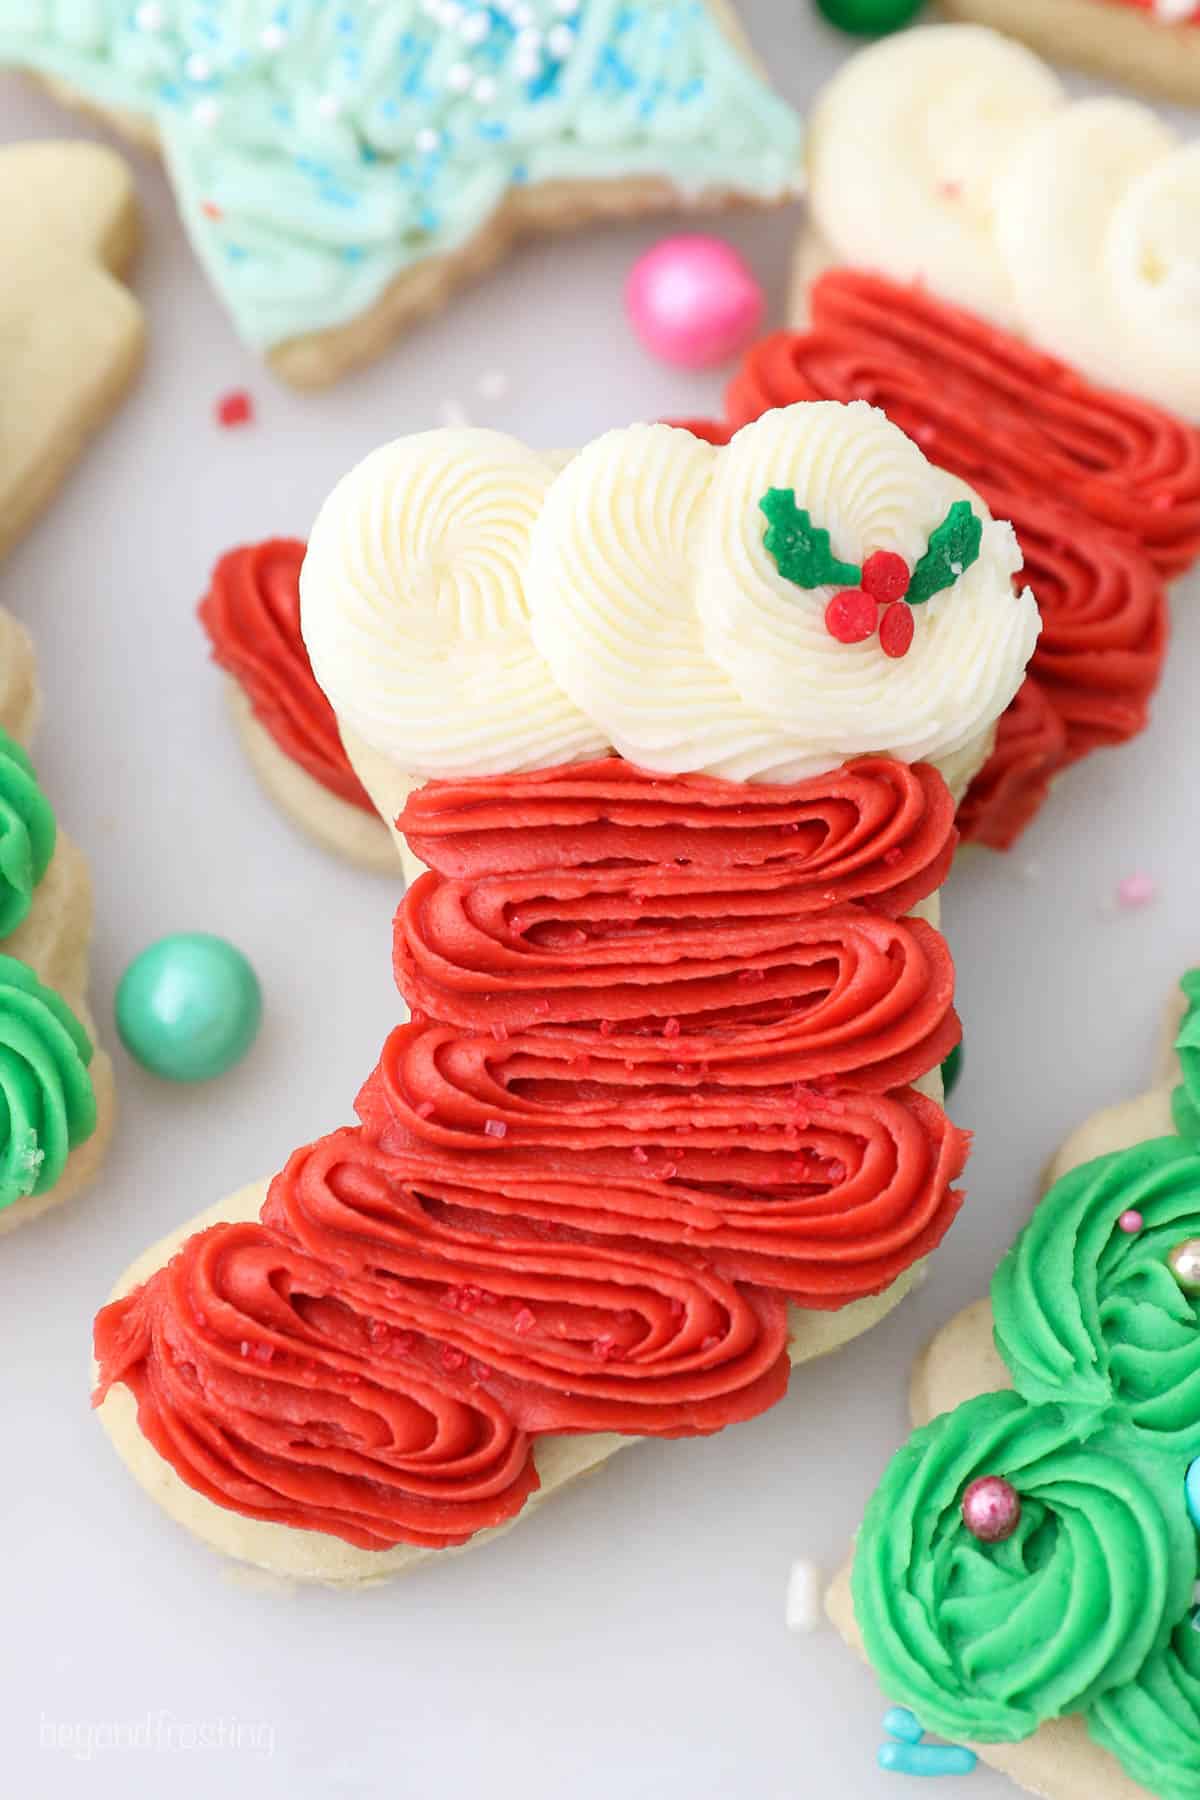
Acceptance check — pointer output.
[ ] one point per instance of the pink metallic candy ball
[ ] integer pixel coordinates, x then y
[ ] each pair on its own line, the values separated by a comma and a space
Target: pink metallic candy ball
693, 301
991, 1509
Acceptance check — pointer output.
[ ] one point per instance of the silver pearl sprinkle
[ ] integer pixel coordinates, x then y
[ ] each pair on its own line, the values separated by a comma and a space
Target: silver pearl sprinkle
1184, 1264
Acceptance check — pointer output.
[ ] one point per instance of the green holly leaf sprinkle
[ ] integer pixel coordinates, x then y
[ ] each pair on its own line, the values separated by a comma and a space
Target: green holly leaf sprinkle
953, 547
801, 550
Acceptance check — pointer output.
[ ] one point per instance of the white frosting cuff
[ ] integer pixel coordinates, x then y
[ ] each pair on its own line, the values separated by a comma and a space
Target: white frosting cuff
954, 157
468, 610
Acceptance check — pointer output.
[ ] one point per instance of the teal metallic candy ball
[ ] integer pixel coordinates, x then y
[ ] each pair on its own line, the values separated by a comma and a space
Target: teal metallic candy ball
870, 18
951, 1070
189, 1007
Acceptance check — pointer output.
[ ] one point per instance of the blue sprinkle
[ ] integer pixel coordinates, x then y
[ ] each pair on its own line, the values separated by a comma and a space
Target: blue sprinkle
492, 129
926, 1759
900, 1723
520, 174
236, 252
353, 253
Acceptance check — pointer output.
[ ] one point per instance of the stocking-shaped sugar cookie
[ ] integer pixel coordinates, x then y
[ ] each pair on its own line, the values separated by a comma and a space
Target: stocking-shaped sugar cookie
57, 1089
669, 731
1049, 1615
70, 334
341, 169
1013, 278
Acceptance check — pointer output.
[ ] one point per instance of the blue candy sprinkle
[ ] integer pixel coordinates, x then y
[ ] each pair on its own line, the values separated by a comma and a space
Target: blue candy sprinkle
900, 1723
926, 1759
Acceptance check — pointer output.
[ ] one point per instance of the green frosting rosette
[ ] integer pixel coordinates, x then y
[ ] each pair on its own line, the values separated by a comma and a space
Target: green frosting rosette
1087, 1607
1152, 1726
1091, 1315
27, 834
47, 1103
987, 1641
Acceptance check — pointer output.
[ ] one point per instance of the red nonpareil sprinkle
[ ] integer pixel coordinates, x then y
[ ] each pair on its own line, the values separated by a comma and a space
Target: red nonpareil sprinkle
452, 1359
639, 1155
404, 1343
896, 630
426, 1109
235, 408
377, 1331
668, 1172
885, 576
851, 616
604, 1348
891, 857
524, 1322
469, 1298
606, 1028
495, 1128
672, 1028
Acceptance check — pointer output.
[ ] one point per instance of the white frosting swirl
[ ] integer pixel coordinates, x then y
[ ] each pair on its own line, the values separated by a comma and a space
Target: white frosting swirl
955, 157
414, 612
469, 611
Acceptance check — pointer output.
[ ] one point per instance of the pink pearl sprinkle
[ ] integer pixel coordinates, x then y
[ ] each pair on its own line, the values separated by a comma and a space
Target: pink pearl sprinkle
1131, 1222
693, 301
991, 1509
1138, 889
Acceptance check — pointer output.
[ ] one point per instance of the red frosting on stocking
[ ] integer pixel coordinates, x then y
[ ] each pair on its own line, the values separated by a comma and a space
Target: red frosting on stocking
656, 1084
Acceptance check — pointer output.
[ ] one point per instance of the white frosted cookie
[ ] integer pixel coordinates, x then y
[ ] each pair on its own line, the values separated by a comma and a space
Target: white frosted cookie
1151, 44
340, 185
70, 333
1101, 1340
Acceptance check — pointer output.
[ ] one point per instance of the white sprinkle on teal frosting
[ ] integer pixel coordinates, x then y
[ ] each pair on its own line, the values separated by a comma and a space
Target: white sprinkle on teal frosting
321, 147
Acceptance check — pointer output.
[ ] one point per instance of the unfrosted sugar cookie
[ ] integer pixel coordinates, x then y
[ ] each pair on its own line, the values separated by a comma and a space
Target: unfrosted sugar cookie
1152, 44
1013, 278
251, 615
1055, 1629
70, 333
341, 169
57, 1085
666, 1117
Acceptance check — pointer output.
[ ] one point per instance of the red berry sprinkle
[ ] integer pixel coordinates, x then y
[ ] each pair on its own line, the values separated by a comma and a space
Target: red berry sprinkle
885, 576
235, 408
896, 629
851, 616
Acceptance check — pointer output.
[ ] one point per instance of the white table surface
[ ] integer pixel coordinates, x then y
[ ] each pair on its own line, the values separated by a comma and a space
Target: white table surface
629, 1644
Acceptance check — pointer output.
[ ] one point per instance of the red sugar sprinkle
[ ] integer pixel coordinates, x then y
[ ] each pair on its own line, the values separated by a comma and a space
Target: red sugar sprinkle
885, 576
749, 975
668, 1172
604, 1348
404, 1343
524, 1322
606, 1028
836, 1170
211, 210
639, 1155
426, 1109
851, 616
896, 630
244, 1348
235, 408
893, 856
711, 1342
950, 190
264, 1353
672, 1028
453, 1359
500, 1033
495, 1128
